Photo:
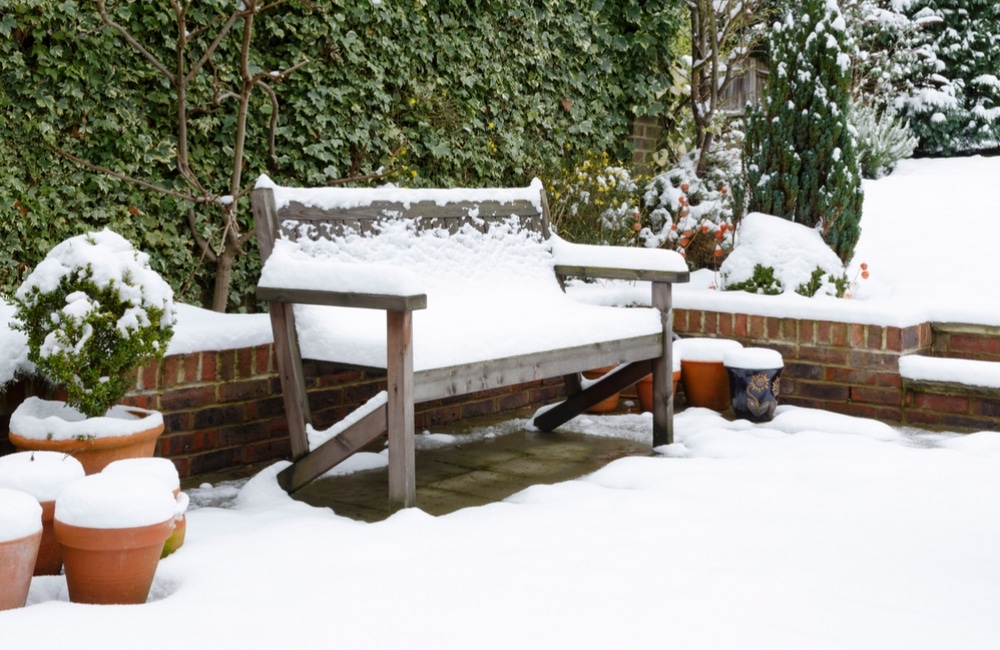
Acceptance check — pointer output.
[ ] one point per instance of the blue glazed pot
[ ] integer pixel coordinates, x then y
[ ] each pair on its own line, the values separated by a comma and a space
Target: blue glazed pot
754, 392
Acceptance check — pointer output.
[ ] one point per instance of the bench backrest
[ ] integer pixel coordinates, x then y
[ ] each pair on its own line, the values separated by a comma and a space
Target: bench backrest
439, 234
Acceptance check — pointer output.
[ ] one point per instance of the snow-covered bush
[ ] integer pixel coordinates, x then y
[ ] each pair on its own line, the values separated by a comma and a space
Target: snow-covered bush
692, 215
883, 139
93, 311
595, 202
800, 156
773, 255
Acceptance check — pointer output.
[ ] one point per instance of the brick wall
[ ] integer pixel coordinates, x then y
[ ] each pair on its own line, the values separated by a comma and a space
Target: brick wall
223, 409
854, 369
646, 133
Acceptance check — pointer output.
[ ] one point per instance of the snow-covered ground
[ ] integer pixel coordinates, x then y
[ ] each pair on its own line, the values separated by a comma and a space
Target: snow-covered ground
812, 531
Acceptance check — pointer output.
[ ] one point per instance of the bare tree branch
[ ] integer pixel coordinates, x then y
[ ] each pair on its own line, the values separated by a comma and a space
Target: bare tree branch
129, 179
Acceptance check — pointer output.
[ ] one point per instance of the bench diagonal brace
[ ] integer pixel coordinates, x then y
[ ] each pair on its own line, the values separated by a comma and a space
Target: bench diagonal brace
607, 386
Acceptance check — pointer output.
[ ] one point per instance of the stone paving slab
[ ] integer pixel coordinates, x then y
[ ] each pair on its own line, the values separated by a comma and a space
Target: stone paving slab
474, 472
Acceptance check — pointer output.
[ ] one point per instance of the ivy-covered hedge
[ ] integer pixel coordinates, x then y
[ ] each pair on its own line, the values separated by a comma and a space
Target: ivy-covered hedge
440, 92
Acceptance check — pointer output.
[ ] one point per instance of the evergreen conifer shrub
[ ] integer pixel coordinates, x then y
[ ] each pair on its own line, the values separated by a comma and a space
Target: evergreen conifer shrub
800, 157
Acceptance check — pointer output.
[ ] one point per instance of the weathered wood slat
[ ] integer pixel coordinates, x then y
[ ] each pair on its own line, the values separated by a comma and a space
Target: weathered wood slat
469, 378
333, 451
612, 273
387, 302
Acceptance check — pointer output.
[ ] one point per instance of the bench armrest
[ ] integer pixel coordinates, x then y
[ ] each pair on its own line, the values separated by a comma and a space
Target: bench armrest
318, 281
618, 262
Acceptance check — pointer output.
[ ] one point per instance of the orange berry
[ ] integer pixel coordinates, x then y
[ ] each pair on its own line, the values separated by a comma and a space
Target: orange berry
685, 187
864, 266
685, 212
718, 251
723, 190
683, 200
637, 226
704, 227
720, 234
864, 274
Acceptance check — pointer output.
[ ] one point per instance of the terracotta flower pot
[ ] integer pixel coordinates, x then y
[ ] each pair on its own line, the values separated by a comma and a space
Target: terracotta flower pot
86, 439
20, 534
164, 470
43, 475
645, 390
703, 374
112, 528
108, 566
609, 404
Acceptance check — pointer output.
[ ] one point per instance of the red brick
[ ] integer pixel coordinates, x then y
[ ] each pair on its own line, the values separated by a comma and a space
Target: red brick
244, 362
148, 375
213, 461
209, 366
438, 416
824, 355
790, 330
227, 365
893, 339
262, 359
838, 334
774, 328
986, 406
187, 398
172, 372
802, 370
875, 337
740, 325
807, 331
267, 450
856, 335
726, 325
710, 324
941, 403
185, 443
757, 327
826, 392
823, 332
978, 346
869, 395
216, 415
239, 391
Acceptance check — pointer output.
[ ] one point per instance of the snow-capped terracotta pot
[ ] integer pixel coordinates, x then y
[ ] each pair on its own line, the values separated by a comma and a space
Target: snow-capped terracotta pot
112, 528
608, 404
43, 475
754, 382
164, 470
20, 534
703, 374
125, 432
645, 390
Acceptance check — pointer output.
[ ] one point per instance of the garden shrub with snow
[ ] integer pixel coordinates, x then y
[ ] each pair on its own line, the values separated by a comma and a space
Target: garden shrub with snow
93, 311
773, 255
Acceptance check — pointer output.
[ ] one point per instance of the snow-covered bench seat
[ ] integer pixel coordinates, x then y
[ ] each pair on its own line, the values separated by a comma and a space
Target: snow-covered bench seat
450, 291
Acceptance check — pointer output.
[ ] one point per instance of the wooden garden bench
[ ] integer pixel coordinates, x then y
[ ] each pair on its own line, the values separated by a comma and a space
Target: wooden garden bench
449, 292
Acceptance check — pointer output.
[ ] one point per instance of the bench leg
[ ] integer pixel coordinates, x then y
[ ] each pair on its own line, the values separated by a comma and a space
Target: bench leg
663, 383
400, 414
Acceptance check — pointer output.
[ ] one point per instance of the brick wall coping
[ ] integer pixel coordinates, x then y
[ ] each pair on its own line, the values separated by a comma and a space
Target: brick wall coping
964, 372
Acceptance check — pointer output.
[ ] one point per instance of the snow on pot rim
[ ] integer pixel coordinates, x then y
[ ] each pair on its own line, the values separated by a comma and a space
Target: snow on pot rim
40, 419
162, 469
754, 359
705, 349
115, 500
42, 474
20, 515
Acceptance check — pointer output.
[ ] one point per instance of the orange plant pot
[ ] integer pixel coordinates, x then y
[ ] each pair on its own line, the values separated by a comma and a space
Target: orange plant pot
111, 566
706, 384
96, 453
49, 562
609, 404
645, 390
17, 563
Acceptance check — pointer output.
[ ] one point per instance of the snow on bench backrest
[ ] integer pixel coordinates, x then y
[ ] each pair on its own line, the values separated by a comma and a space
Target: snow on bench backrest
441, 239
